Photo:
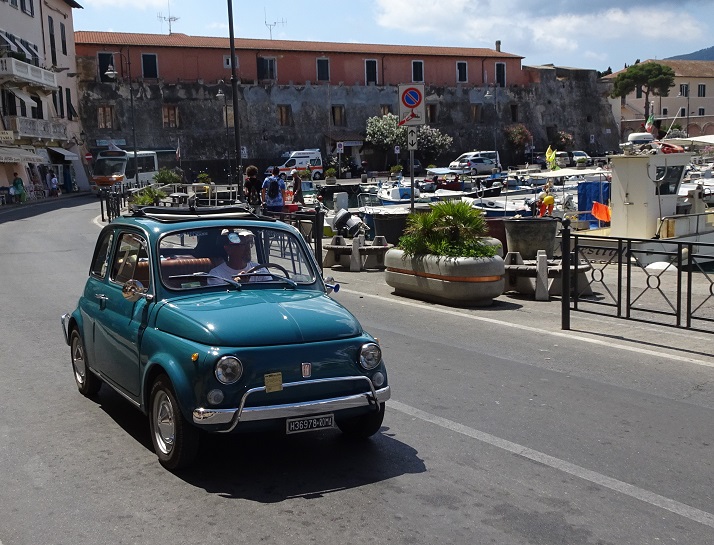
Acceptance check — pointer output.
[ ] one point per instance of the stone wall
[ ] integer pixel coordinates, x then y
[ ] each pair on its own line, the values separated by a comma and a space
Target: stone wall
475, 120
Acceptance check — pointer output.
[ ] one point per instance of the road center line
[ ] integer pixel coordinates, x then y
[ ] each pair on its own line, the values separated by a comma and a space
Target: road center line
646, 496
562, 334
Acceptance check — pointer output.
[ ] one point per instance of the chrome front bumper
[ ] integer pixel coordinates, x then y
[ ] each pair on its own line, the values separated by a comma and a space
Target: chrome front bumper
206, 417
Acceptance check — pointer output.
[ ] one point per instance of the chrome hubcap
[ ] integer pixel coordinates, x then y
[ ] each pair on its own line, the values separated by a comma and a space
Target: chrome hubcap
80, 368
164, 426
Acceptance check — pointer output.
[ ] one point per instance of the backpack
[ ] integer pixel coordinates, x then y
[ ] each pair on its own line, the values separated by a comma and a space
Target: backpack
273, 188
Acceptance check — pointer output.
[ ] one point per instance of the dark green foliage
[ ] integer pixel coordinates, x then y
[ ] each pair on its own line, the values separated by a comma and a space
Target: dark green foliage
651, 78
450, 228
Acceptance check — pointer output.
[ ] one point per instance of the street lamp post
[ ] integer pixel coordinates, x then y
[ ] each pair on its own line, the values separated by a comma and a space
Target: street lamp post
222, 95
111, 73
234, 88
494, 96
688, 90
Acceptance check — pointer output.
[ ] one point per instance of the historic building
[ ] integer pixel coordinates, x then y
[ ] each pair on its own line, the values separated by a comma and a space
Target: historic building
39, 115
689, 106
166, 89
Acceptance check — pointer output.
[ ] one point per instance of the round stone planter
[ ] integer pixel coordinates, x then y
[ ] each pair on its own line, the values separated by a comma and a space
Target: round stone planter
528, 235
454, 281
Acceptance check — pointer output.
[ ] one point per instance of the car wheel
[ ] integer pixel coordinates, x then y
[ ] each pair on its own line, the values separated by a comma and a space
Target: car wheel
175, 439
88, 383
317, 176
362, 426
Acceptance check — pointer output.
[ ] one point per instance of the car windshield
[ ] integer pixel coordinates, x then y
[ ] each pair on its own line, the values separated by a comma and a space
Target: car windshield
233, 256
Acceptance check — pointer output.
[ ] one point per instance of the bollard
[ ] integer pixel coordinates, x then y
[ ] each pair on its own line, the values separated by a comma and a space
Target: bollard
541, 281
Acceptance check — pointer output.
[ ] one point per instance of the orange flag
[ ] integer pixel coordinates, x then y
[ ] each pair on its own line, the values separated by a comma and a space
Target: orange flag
601, 211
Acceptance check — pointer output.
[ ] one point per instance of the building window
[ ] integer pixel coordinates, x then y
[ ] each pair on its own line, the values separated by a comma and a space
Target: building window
53, 45
638, 92
285, 115
417, 71
431, 113
323, 70
170, 116
71, 112
13, 3
385, 109
105, 117
63, 38
700, 111
338, 116
665, 111
684, 89
701, 90
461, 72
27, 6
61, 102
514, 113
149, 65
370, 71
266, 68
227, 61
476, 113
501, 74
104, 61
682, 112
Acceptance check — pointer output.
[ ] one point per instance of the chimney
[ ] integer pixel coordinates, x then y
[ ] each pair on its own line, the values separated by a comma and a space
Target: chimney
498, 45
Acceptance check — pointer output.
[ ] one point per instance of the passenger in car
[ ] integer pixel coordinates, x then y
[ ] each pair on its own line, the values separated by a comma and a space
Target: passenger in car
237, 245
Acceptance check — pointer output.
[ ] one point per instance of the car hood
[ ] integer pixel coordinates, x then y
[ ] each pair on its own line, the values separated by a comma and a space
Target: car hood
257, 317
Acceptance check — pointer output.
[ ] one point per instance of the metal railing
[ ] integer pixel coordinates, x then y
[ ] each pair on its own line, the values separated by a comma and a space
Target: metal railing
309, 223
665, 282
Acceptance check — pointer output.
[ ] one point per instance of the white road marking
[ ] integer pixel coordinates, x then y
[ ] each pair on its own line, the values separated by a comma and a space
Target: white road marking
564, 334
641, 494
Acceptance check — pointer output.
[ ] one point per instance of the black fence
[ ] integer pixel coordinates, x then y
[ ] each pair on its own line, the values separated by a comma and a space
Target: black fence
309, 222
649, 280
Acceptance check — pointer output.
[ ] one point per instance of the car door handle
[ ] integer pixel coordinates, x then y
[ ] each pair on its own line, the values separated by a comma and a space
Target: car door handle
101, 297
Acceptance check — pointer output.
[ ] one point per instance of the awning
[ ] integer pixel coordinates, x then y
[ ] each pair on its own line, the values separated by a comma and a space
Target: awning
23, 95
18, 155
68, 155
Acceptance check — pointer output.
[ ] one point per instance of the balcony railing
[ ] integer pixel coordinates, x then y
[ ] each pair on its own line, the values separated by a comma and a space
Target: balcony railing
27, 73
37, 128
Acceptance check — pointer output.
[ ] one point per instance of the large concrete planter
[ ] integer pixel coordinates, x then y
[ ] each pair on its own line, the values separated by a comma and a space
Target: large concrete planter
528, 235
455, 281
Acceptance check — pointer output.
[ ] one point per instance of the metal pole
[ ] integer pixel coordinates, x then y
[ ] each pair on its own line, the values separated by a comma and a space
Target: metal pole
133, 125
688, 91
411, 173
228, 140
234, 88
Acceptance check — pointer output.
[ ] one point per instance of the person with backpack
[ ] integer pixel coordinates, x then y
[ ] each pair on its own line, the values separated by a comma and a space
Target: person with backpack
273, 192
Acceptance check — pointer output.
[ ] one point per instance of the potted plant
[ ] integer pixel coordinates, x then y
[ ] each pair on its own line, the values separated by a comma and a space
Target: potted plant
446, 256
148, 195
395, 171
331, 176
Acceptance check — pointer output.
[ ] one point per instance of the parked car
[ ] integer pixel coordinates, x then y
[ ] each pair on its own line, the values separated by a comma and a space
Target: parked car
582, 155
564, 159
480, 165
461, 159
405, 167
198, 351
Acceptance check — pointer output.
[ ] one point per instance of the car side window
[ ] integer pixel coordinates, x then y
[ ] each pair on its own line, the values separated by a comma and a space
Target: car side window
131, 260
100, 262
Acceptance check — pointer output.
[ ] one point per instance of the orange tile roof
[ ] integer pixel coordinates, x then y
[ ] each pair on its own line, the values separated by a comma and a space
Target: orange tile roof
86, 37
682, 69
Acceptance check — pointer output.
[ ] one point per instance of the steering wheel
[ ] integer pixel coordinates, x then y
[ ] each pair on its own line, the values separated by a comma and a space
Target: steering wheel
268, 266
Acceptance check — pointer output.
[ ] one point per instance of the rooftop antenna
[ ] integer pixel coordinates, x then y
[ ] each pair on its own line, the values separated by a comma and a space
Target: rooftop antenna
271, 25
169, 19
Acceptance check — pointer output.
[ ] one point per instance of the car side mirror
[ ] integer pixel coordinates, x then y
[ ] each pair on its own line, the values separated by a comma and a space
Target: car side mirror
133, 290
331, 285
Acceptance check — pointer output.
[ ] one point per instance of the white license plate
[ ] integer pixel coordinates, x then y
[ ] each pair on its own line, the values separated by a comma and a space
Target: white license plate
310, 423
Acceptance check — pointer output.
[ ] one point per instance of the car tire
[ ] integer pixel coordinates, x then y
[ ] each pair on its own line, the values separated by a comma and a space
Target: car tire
317, 176
363, 426
175, 440
87, 382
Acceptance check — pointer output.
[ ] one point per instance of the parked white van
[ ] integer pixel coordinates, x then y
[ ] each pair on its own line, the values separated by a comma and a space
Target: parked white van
640, 138
308, 159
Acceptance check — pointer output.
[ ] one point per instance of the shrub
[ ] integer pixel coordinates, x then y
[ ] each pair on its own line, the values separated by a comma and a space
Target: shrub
304, 174
396, 169
331, 172
167, 177
450, 228
147, 195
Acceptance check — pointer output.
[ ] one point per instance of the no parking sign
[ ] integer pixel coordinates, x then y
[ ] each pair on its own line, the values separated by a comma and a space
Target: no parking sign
411, 104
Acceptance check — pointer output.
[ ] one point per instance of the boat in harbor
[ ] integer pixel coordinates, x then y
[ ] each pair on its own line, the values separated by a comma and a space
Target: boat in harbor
646, 205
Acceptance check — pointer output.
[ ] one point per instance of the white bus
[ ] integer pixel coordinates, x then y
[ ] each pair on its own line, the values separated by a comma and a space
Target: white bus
118, 168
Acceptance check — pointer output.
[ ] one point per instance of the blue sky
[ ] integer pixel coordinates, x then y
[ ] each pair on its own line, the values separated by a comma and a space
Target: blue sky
580, 33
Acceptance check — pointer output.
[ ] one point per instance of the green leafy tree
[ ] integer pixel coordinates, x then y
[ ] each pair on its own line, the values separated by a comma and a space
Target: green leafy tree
649, 78
384, 132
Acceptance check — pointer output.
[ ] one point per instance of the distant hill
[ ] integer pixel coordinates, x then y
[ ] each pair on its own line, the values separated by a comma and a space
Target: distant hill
701, 55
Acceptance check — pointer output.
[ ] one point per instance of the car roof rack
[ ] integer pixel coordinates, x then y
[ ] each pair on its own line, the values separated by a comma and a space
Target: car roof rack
171, 214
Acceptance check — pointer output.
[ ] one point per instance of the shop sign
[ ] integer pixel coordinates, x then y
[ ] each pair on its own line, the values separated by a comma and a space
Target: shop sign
7, 137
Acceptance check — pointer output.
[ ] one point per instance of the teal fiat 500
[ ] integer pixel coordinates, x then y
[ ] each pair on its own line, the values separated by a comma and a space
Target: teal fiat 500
217, 320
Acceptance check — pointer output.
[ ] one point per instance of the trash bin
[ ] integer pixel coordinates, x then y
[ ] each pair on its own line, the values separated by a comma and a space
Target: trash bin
390, 226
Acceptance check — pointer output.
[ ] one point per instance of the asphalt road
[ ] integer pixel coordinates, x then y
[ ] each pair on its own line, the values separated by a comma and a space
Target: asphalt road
502, 428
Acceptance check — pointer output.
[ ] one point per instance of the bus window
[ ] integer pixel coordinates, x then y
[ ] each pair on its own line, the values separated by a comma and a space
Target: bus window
108, 166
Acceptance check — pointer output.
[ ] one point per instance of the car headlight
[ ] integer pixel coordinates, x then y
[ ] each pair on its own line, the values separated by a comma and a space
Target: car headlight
229, 369
370, 355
